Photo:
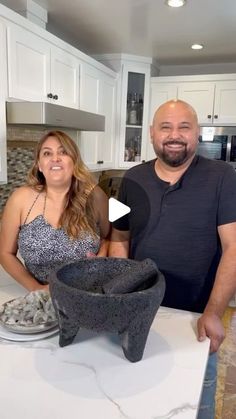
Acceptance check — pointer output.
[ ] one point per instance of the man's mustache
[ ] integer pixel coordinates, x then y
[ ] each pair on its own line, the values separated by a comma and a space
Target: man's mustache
174, 142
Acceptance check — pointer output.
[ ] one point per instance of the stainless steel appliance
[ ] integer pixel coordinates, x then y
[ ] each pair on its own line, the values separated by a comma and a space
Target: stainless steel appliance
49, 114
218, 143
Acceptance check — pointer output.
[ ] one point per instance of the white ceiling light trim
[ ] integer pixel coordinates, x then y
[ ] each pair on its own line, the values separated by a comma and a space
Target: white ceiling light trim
175, 3
197, 46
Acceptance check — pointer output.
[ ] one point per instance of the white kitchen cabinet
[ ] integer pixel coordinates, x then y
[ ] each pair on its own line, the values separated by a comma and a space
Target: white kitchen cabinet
107, 107
3, 94
65, 71
212, 96
133, 88
159, 93
214, 102
201, 96
40, 71
97, 94
134, 114
213, 99
225, 103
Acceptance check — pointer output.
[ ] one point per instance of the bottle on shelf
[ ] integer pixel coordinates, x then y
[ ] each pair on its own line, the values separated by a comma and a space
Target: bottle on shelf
140, 110
129, 154
133, 115
137, 148
128, 106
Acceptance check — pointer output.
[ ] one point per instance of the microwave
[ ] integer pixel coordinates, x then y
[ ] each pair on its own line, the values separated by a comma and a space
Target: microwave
218, 143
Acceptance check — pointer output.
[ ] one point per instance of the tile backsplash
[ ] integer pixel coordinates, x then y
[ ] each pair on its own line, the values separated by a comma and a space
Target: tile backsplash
18, 163
20, 153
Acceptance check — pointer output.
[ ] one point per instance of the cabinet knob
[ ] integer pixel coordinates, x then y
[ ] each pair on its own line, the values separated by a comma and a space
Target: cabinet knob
55, 97
143, 161
50, 95
215, 116
209, 116
100, 162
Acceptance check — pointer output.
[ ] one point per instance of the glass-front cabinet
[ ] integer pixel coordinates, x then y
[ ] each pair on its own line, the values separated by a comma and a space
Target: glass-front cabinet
134, 115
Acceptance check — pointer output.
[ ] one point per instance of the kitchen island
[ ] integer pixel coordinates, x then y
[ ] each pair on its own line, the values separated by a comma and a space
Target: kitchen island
91, 379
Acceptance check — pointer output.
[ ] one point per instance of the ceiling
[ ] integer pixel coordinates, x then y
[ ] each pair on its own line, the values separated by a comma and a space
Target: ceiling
145, 27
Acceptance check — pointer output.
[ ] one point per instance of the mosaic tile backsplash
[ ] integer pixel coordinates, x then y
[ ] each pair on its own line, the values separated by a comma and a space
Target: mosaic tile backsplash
19, 161
20, 152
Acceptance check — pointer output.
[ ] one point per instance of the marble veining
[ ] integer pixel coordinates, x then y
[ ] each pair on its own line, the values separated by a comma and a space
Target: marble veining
174, 412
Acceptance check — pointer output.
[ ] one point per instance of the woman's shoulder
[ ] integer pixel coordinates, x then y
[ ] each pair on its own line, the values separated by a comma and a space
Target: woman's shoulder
21, 196
22, 192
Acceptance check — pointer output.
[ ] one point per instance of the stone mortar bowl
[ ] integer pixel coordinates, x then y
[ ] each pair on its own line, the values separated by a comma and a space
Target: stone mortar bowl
108, 295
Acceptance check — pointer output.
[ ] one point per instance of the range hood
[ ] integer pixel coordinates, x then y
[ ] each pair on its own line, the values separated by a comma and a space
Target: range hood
51, 115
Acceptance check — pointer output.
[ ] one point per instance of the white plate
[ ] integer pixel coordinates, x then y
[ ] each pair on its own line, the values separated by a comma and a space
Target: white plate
25, 329
19, 337
29, 330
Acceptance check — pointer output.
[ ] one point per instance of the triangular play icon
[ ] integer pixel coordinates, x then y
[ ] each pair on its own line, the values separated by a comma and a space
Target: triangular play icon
117, 209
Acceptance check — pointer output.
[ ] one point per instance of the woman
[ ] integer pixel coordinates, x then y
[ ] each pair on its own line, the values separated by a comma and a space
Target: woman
58, 217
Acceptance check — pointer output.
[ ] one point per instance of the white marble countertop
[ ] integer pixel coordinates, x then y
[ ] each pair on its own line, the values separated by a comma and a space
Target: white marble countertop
91, 379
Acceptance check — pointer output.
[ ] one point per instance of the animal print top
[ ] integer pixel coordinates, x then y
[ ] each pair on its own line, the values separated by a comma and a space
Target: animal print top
45, 249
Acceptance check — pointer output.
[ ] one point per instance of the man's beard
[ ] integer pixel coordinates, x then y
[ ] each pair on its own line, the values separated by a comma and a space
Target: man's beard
171, 157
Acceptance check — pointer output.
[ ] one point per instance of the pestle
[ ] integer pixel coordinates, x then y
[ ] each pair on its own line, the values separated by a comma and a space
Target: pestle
131, 280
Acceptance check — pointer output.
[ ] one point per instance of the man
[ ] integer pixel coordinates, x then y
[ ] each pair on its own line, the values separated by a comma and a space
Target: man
183, 216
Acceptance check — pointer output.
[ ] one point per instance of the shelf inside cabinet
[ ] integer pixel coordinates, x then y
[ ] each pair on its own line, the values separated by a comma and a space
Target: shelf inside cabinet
133, 143
135, 95
133, 126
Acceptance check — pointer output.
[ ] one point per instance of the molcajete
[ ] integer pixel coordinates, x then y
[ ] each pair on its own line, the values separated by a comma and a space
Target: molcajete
108, 295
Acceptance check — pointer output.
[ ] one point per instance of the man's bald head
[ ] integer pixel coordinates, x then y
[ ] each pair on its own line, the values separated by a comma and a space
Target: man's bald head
175, 133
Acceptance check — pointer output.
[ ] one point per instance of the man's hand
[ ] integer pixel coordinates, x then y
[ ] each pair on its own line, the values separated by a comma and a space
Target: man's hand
210, 325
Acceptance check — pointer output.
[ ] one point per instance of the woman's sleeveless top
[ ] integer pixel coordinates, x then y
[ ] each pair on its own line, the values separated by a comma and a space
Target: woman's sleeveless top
45, 249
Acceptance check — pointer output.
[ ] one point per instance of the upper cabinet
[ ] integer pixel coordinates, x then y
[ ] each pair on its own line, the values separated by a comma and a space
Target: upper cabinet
214, 102
161, 93
201, 96
212, 96
133, 116
65, 70
133, 88
225, 103
40, 71
213, 99
97, 94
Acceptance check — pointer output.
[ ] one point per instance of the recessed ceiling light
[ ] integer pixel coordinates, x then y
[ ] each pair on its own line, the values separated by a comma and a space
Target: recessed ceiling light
197, 46
175, 3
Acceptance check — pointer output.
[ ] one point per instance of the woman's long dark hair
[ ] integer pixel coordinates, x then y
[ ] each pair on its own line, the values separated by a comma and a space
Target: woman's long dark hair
78, 215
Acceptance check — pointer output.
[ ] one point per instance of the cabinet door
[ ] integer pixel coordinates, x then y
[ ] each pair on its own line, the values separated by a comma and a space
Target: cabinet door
135, 86
107, 107
201, 96
3, 95
64, 78
28, 65
159, 94
89, 101
97, 94
225, 103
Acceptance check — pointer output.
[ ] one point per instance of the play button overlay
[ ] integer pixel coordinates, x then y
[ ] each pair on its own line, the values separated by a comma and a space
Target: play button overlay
132, 216
116, 209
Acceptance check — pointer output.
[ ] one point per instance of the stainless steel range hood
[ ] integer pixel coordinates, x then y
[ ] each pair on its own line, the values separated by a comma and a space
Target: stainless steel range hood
50, 115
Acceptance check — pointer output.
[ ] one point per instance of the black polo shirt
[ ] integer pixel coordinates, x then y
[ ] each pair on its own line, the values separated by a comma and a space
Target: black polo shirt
176, 225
